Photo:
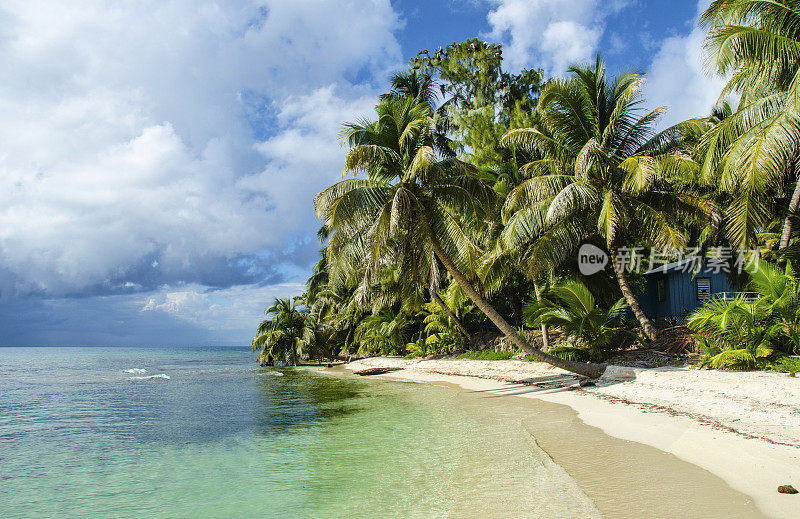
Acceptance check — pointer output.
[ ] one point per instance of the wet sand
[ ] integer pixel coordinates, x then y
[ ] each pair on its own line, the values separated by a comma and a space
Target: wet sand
638, 462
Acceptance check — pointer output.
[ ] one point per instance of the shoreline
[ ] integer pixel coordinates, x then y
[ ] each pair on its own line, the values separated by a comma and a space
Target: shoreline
734, 425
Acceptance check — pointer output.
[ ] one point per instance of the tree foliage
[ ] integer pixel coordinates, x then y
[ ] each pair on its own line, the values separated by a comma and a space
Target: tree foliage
469, 191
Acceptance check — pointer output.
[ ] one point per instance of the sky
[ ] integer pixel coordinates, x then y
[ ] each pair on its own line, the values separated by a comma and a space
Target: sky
159, 159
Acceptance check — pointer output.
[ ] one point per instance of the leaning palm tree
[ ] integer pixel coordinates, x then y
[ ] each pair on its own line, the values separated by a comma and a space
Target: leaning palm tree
338, 309
600, 173
753, 153
413, 211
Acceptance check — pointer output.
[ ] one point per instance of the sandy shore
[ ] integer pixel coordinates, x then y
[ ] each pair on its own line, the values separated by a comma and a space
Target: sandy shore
742, 427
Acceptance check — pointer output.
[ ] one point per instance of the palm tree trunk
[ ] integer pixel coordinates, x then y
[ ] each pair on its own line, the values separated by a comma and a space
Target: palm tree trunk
787, 223
452, 316
516, 306
649, 328
588, 369
545, 331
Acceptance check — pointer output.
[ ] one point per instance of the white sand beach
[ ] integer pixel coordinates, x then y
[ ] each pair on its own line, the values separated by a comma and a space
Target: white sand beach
741, 426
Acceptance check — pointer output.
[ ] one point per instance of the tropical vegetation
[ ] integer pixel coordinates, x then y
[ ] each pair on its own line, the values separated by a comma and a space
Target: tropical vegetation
467, 195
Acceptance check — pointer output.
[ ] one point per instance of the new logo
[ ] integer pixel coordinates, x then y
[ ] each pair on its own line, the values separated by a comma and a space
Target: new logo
591, 259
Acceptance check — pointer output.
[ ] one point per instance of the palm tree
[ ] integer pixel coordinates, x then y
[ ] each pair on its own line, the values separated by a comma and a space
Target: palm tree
500, 269
339, 310
412, 211
451, 316
753, 153
415, 85
737, 334
385, 332
318, 281
571, 307
279, 338
421, 87
316, 340
454, 304
600, 171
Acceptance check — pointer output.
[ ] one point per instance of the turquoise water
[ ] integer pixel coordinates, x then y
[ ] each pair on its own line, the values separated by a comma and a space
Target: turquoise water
81, 437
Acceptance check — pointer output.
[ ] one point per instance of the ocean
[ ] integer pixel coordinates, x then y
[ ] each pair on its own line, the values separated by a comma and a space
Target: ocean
205, 432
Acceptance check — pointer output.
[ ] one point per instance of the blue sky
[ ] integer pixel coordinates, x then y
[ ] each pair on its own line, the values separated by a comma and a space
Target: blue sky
158, 159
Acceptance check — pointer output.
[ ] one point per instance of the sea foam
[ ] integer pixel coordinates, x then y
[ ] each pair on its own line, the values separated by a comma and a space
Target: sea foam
135, 371
148, 377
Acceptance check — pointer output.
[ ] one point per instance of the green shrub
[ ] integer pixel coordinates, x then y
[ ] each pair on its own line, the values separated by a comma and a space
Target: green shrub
487, 355
789, 364
592, 333
738, 334
435, 344
571, 353
751, 334
444, 343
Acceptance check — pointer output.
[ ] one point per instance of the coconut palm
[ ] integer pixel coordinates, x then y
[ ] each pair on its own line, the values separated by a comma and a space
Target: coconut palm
279, 337
601, 172
779, 288
338, 309
501, 269
753, 153
316, 342
411, 212
318, 280
415, 85
421, 87
570, 306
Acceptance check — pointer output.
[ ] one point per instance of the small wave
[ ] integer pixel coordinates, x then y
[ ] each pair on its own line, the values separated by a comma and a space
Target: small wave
135, 371
148, 377
271, 373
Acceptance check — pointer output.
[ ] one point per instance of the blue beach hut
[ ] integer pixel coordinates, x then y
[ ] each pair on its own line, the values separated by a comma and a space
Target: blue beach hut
674, 290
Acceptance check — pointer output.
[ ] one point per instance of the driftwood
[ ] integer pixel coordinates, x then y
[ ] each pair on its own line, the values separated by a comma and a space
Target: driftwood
374, 371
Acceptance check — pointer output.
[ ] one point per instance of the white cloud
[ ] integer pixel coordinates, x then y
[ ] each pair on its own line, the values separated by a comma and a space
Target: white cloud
142, 137
569, 42
235, 309
552, 34
677, 78
300, 158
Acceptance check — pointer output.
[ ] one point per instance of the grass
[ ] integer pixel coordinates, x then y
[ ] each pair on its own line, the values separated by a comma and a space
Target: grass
487, 355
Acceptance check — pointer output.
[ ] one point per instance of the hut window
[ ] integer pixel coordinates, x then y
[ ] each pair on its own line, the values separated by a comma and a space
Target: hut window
662, 290
703, 289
